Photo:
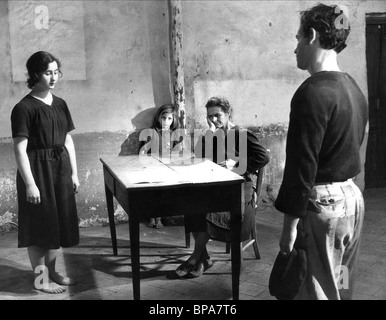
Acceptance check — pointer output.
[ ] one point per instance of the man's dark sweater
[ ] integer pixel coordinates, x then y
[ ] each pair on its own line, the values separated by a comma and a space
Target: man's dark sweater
327, 124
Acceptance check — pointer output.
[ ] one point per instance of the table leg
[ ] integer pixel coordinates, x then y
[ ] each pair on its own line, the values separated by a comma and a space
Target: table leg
110, 211
134, 246
187, 240
235, 242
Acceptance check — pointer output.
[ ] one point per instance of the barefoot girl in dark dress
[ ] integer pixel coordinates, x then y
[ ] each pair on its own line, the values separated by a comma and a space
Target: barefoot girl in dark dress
47, 178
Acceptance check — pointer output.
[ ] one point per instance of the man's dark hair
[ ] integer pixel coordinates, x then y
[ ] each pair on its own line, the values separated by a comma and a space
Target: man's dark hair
324, 19
220, 102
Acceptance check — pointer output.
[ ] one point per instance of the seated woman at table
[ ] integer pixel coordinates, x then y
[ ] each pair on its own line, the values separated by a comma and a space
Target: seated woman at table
252, 156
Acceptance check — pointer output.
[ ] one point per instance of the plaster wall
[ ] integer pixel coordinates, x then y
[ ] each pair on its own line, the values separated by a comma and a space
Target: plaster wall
244, 50
126, 54
127, 64
240, 49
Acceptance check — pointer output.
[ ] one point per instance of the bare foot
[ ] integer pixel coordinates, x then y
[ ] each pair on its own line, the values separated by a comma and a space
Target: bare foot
50, 287
159, 224
63, 280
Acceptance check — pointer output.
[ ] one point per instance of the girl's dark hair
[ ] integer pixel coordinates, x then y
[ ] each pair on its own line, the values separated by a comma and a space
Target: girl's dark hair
166, 108
37, 64
220, 102
326, 21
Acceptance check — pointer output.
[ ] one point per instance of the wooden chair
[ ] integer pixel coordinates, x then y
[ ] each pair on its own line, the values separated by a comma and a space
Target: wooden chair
252, 238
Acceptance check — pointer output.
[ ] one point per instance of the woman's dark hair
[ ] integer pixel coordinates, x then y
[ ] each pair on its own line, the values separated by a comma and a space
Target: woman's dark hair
166, 108
326, 20
220, 102
37, 64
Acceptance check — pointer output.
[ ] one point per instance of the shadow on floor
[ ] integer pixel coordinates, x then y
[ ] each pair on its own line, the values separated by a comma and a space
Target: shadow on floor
15, 279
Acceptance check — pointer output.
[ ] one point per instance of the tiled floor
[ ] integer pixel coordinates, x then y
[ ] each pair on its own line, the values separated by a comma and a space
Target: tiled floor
103, 276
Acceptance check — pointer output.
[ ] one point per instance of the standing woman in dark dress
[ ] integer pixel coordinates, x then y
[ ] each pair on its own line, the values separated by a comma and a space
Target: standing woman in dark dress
47, 178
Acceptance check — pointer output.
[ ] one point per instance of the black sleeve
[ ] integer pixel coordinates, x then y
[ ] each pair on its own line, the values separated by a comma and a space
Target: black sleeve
257, 155
242, 146
307, 127
20, 121
70, 123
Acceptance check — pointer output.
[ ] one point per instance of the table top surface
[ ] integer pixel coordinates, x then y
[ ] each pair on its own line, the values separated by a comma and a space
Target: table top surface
136, 172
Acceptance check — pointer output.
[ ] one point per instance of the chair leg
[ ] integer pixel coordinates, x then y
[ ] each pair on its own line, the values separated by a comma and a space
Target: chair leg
255, 244
228, 249
187, 239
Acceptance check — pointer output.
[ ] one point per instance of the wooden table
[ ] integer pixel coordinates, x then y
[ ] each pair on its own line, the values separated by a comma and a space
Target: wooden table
150, 187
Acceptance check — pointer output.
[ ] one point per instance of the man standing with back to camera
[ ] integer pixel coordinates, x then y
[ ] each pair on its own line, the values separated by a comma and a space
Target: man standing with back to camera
327, 124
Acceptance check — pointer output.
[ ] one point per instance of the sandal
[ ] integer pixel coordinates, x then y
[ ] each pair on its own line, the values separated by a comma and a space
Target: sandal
184, 269
203, 265
198, 270
207, 263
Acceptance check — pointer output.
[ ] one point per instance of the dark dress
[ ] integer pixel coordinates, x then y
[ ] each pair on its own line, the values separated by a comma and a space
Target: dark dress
54, 222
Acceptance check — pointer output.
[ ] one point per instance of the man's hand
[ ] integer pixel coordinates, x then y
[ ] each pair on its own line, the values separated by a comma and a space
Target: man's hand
288, 234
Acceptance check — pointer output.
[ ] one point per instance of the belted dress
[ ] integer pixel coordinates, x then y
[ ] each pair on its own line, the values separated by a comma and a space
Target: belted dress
54, 222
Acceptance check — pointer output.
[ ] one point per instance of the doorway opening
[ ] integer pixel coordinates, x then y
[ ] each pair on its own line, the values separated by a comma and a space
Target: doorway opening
375, 166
